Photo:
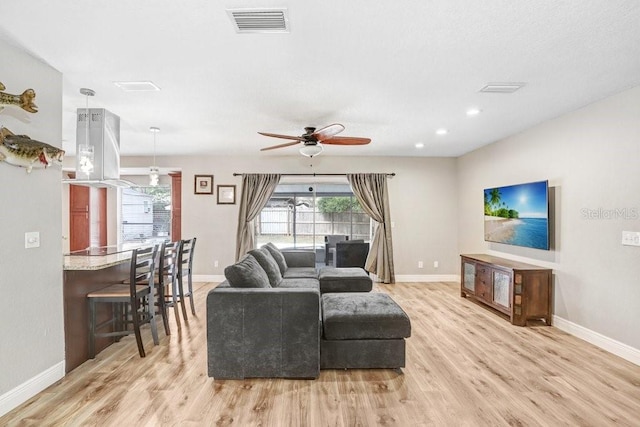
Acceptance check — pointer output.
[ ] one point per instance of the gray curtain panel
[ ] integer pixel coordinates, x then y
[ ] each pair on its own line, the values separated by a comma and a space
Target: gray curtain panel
256, 191
371, 191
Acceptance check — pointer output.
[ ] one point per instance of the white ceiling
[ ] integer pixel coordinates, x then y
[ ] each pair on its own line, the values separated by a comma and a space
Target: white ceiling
391, 71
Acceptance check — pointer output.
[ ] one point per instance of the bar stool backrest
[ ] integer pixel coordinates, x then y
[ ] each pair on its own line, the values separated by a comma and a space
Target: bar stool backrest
142, 268
187, 248
167, 264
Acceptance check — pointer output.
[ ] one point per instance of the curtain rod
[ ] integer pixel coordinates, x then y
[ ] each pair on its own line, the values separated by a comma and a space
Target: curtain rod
312, 174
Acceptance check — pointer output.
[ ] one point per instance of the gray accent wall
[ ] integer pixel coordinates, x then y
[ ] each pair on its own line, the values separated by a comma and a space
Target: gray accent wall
31, 320
591, 158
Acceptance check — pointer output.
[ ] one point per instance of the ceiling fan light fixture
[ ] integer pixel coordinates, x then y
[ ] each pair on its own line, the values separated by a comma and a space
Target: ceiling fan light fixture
311, 150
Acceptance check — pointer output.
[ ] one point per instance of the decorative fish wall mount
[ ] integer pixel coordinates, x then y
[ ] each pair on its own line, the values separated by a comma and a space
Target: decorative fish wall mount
24, 101
20, 150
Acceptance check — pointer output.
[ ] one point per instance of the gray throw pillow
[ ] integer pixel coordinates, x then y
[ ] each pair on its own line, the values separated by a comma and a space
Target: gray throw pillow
268, 264
277, 255
247, 273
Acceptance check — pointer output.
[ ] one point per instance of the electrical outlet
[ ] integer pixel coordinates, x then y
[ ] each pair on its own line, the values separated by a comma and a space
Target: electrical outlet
32, 239
420, 264
631, 238
436, 264
215, 263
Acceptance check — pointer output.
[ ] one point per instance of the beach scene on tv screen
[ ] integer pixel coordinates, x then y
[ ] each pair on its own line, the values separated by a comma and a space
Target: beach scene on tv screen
517, 215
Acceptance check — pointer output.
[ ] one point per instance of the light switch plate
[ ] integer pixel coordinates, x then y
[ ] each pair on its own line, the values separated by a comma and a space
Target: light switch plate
32, 239
631, 238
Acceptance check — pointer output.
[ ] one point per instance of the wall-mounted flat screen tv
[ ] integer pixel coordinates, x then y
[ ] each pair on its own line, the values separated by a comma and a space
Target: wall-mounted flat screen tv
518, 215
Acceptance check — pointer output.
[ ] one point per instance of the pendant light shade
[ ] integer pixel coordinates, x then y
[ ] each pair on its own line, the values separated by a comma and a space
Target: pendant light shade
154, 172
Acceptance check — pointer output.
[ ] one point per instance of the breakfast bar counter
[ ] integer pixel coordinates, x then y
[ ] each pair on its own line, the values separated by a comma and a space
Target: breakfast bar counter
84, 272
86, 263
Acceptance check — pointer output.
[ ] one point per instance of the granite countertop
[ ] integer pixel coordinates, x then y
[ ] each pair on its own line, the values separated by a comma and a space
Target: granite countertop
79, 262
96, 258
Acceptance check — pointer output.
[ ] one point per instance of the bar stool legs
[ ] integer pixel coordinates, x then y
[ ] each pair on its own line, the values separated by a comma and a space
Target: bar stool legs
167, 269
185, 268
137, 297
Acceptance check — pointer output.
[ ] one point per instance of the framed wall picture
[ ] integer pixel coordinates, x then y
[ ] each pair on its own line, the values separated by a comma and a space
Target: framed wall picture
203, 184
226, 194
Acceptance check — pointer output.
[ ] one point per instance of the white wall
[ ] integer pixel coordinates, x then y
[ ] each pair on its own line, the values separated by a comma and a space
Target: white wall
591, 159
31, 318
422, 198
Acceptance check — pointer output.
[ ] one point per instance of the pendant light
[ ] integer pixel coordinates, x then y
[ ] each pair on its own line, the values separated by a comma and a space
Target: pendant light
154, 172
86, 151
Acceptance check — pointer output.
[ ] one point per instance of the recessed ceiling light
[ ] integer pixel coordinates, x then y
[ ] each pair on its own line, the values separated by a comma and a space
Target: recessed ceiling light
473, 112
442, 131
419, 145
137, 86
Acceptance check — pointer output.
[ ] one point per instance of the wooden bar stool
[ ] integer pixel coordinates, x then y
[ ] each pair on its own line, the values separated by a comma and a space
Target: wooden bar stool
185, 268
133, 303
167, 284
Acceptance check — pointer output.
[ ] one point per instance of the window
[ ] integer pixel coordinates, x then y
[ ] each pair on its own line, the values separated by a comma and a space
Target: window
300, 215
146, 214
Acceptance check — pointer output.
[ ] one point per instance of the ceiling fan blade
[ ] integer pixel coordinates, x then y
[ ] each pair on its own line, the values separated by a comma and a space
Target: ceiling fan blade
275, 135
328, 131
346, 140
286, 144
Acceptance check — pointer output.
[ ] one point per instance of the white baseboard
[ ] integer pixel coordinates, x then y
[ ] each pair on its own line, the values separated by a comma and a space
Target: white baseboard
25, 391
399, 278
208, 278
612, 346
427, 278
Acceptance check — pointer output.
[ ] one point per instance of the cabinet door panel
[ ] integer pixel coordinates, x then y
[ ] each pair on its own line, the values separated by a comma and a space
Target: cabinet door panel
469, 280
501, 286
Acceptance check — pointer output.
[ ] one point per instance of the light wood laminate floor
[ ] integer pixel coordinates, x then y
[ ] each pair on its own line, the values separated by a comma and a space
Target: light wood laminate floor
466, 366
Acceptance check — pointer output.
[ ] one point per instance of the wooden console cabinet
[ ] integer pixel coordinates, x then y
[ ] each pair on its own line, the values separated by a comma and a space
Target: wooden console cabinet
521, 291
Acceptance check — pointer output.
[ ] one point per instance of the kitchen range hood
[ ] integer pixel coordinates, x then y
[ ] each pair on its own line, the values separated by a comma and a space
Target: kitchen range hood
102, 134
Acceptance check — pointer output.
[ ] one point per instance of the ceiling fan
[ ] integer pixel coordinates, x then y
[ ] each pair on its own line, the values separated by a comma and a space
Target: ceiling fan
313, 139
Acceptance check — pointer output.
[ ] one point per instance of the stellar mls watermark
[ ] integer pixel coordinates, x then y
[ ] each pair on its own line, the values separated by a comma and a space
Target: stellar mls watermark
610, 214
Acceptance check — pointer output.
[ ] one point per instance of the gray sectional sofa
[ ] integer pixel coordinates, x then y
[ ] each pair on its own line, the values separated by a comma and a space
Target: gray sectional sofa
266, 319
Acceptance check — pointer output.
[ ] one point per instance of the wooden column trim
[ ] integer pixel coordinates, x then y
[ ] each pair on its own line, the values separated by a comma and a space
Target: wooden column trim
176, 205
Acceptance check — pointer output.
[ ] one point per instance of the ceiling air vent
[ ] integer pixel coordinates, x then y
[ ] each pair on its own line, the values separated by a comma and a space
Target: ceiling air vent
502, 87
259, 20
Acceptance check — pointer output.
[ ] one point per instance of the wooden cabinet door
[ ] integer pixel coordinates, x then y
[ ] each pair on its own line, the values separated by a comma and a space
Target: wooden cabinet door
79, 224
87, 217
